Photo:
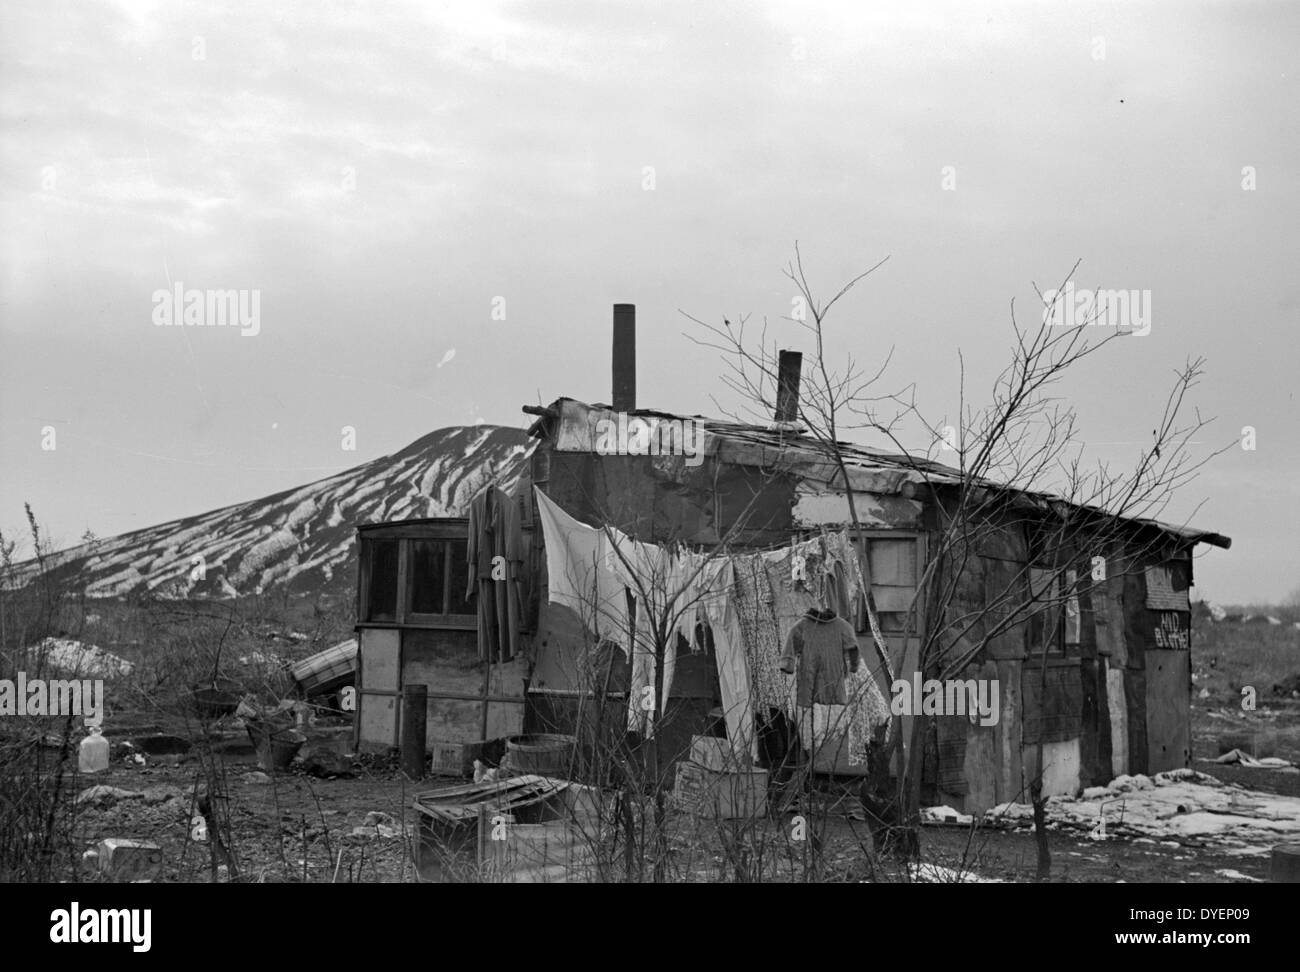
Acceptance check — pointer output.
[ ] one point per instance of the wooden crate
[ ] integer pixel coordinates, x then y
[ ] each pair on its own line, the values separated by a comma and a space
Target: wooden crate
715, 753
725, 795
451, 836
454, 759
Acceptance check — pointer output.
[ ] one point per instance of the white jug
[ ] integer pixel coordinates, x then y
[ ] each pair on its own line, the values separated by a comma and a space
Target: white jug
93, 756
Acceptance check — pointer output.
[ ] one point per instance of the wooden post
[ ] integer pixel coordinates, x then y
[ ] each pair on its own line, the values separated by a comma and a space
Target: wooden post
415, 714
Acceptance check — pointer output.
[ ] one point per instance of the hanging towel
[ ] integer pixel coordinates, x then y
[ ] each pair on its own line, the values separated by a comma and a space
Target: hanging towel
576, 572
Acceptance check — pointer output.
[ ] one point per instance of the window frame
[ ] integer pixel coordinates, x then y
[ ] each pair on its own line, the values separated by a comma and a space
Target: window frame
447, 530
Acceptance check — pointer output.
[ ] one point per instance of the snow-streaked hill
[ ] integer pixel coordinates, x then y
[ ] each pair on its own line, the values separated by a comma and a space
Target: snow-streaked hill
302, 537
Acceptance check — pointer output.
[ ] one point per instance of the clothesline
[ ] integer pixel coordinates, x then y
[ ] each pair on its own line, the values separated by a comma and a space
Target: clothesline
595, 571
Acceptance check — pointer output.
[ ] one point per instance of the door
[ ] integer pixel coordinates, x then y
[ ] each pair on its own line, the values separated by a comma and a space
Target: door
1168, 698
377, 699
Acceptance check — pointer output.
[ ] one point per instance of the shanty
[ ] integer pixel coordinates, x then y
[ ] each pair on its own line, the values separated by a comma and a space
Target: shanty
520, 442
643, 602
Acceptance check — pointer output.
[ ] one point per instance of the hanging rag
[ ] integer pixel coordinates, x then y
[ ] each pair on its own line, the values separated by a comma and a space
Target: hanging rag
495, 554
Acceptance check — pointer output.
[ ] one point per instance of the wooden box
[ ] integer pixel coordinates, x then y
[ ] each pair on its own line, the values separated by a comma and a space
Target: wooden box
737, 794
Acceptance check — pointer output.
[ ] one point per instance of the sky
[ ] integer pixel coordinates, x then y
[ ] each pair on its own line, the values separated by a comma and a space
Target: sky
435, 206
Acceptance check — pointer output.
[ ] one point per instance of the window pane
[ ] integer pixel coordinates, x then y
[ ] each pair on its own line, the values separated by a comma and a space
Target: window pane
381, 599
428, 574
1045, 627
459, 578
892, 620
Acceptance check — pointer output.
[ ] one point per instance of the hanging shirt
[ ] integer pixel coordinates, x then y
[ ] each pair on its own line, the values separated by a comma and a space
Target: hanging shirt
820, 651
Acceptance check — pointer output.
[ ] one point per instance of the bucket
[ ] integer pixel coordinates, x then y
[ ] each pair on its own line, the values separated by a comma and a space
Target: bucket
213, 703
542, 753
218, 698
276, 748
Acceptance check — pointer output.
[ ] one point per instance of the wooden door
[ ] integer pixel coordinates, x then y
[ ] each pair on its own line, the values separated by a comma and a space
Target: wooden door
1168, 717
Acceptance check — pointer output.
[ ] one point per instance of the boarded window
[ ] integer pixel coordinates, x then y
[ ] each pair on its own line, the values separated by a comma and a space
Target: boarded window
1167, 587
894, 567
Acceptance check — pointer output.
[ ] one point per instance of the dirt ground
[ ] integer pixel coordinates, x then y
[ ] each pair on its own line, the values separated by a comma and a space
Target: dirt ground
291, 826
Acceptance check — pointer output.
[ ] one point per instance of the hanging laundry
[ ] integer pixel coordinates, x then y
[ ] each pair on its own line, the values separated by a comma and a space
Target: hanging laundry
719, 611
577, 575
868, 711
827, 731
599, 573
754, 599
495, 554
820, 651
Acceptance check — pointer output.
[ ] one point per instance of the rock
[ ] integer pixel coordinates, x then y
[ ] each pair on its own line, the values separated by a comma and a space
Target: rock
106, 796
256, 778
161, 794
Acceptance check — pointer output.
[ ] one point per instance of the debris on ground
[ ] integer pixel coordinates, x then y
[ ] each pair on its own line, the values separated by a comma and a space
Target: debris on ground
89, 661
106, 796
937, 874
1237, 757
326, 764
161, 794
128, 860
945, 816
378, 824
1234, 875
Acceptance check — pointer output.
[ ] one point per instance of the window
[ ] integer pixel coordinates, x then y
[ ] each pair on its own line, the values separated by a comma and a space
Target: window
1046, 620
416, 574
382, 558
428, 576
438, 577
894, 566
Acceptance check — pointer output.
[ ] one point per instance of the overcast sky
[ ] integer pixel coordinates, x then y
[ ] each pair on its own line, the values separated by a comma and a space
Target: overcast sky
382, 175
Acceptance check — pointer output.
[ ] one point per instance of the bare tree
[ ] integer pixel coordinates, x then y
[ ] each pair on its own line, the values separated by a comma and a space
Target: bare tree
1016, 473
